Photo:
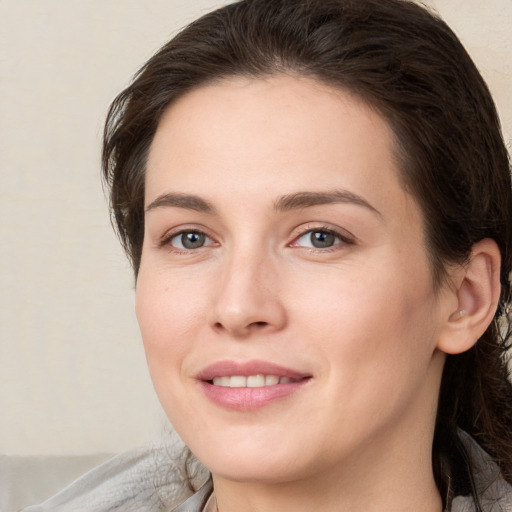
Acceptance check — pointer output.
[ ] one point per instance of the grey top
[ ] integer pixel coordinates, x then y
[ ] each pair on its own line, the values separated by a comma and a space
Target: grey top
155, 479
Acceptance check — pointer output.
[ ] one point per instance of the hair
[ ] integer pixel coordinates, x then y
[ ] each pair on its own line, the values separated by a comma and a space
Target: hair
406, 63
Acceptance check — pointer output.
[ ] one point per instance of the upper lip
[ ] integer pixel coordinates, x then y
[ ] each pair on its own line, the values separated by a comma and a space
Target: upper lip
247, 368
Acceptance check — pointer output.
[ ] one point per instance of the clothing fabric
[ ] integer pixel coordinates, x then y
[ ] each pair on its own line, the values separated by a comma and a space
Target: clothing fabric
157, 479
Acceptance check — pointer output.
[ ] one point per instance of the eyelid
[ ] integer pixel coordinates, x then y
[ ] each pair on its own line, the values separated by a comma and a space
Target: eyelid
165, 240
345, 237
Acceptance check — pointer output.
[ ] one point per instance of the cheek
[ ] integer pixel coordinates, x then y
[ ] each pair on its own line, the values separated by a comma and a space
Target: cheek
371, 326
167, 317
167, 312
166, 306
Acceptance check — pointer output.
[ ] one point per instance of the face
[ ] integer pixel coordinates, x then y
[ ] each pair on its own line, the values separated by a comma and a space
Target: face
285, 296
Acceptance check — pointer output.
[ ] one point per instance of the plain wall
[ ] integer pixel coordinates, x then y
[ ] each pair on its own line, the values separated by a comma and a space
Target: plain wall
72, 371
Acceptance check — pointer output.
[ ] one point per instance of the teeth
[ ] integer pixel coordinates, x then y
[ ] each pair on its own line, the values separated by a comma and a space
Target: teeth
255, 381
271, 380
252, 381
224, 381
238, 382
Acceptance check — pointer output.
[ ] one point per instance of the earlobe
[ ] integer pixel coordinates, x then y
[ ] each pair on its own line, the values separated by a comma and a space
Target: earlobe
477, 289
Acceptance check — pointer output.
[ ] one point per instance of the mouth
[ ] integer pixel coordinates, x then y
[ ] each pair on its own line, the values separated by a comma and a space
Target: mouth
250, 385
251, 381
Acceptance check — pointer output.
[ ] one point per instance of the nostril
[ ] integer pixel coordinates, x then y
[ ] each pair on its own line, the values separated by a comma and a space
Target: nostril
242, 330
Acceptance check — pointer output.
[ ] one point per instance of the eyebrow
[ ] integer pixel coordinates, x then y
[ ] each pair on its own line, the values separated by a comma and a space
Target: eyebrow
295, 201
187, 201
300, 200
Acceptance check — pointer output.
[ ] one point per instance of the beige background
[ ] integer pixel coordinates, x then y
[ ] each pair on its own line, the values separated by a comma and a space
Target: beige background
72, 371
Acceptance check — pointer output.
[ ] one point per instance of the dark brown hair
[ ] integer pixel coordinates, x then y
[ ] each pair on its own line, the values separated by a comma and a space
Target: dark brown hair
406, 63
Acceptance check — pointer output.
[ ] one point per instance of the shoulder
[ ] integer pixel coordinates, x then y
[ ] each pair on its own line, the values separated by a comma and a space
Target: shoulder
151, 479
494, 491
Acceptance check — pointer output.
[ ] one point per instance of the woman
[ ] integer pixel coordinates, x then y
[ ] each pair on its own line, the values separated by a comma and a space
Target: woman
316, 201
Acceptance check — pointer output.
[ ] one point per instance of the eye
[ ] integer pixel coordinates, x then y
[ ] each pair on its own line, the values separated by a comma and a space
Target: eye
320, 239
188, 240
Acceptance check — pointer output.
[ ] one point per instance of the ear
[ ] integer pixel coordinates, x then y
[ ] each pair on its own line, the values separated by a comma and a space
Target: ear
476, 290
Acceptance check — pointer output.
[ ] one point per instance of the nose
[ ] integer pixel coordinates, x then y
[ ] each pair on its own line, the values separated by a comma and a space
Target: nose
248, 299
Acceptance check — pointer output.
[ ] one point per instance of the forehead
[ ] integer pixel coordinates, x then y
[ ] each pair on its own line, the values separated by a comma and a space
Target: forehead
252, 126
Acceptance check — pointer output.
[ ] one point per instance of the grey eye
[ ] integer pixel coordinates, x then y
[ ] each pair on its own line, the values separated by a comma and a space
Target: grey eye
318, 239
190, 240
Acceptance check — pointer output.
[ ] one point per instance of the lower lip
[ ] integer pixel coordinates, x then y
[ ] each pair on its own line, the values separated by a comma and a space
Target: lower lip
247, 399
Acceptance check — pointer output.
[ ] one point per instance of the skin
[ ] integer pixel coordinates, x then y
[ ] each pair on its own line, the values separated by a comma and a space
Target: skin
361, 318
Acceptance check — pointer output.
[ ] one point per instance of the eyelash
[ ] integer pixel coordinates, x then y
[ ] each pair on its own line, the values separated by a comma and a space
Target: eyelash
343, 239
166, 241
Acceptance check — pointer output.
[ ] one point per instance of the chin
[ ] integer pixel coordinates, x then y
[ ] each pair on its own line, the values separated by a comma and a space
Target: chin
255, 472
264, 460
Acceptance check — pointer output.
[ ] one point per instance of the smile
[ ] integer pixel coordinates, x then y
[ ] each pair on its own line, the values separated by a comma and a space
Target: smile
250, 385
251, 381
